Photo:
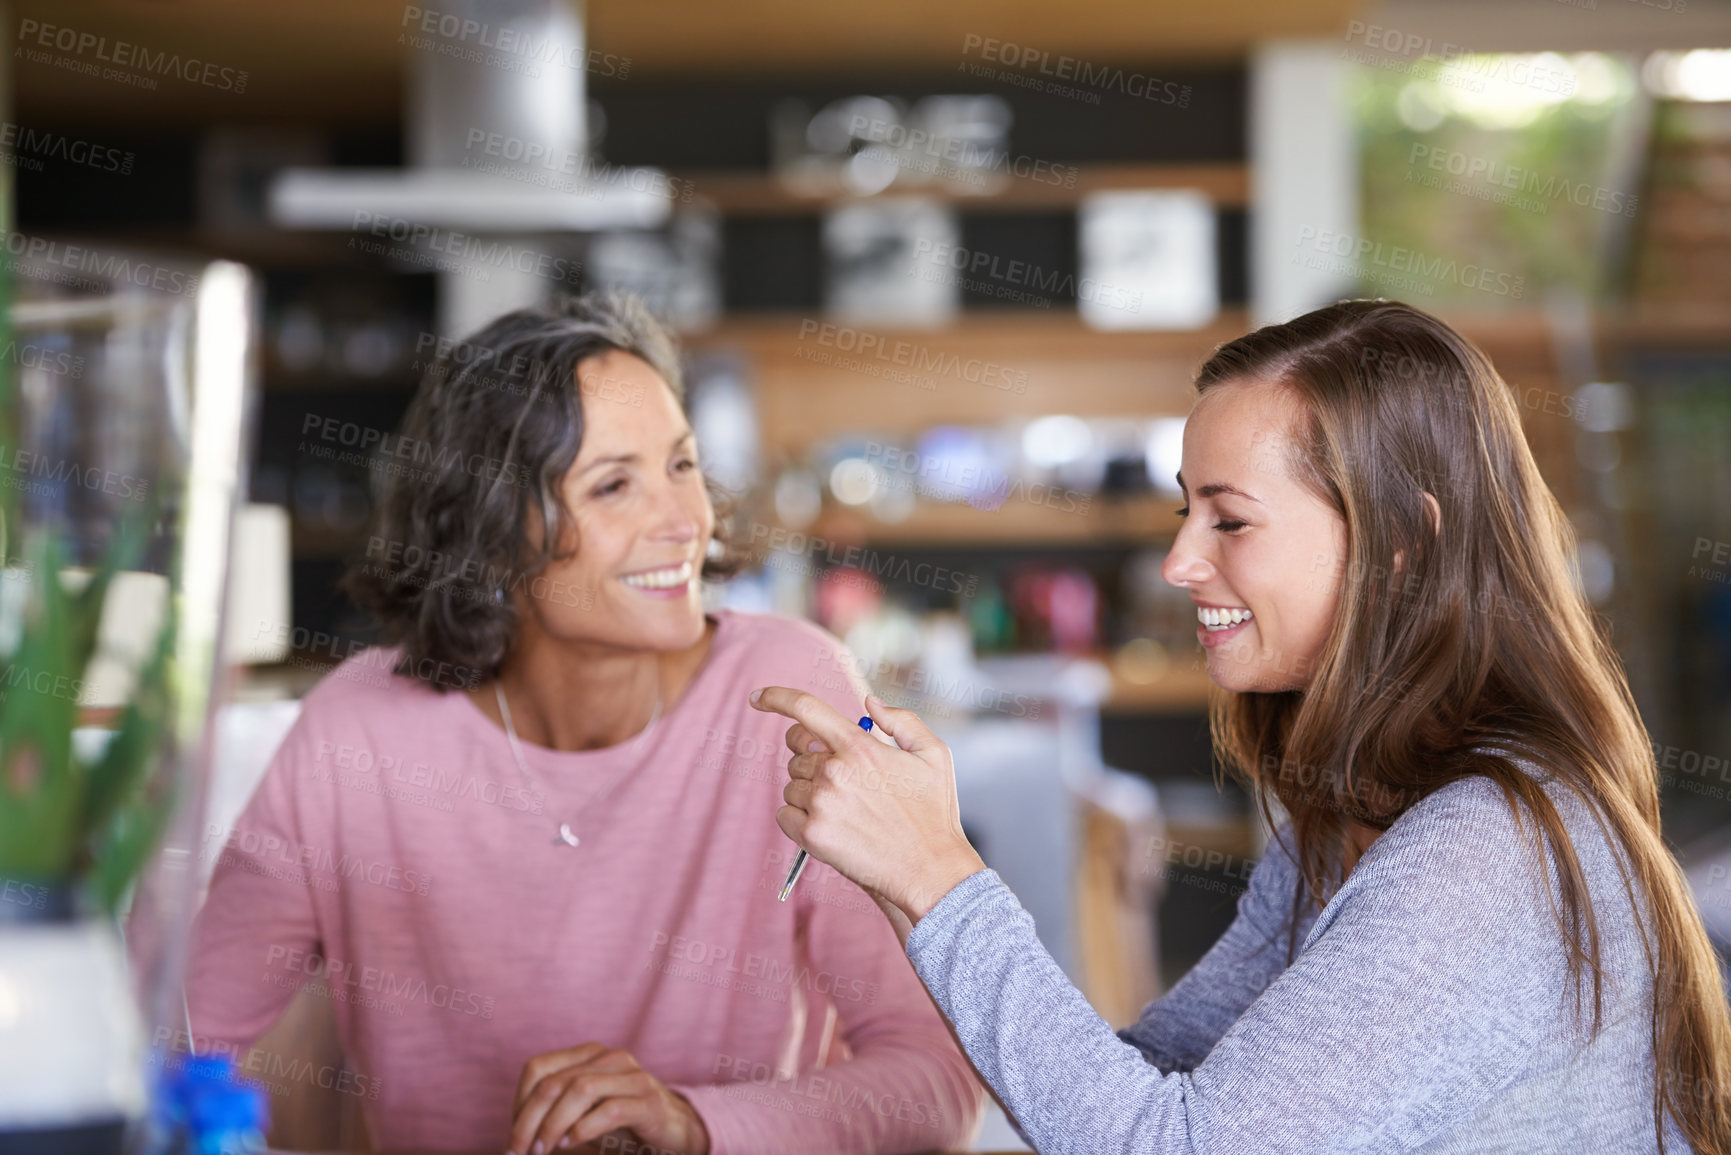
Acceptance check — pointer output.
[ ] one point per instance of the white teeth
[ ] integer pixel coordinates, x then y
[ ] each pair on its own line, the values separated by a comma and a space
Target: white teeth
660, 579
1222, 619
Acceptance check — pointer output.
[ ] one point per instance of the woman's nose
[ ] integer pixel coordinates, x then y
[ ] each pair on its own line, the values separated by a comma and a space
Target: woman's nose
1182, 566
675, 520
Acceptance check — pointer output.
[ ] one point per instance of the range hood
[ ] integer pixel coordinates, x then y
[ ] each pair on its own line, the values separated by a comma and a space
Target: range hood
458, 199
496, 136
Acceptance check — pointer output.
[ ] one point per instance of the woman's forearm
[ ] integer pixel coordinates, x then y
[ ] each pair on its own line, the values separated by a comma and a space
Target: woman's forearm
951, 1027
1056, 1067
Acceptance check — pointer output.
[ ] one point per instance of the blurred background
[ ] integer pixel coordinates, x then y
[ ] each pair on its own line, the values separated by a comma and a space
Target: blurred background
943, 273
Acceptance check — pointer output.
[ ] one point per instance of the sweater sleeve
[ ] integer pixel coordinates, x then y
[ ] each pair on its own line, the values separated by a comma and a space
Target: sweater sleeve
254, 938
1423, 990
1177, 1030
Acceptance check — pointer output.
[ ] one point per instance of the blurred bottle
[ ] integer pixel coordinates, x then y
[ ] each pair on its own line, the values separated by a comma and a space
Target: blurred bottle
1059, 607
202, 1107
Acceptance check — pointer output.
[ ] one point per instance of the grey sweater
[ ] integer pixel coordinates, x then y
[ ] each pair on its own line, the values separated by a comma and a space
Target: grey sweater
1427, 1009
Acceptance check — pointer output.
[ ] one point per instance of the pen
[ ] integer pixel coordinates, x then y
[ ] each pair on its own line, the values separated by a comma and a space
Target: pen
865, 724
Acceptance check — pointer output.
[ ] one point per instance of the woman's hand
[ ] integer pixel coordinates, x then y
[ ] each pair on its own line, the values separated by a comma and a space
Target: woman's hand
571, 1097
886, 818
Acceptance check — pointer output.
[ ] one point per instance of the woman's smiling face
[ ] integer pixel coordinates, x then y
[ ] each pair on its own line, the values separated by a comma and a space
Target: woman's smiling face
641, 517
1255, 540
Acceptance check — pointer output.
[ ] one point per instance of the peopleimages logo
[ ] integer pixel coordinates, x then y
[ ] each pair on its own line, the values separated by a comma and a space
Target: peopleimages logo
24, 894
866, 347
123, 55
261, 1068
456, 251
372, 445
978, 270
52, 473
956, 158
776, 972
27, 147
1081, 75
32, 356
384, 983
804, 1093
483, 149
481, 43
1497, 175
887, 567
231, 845
1455, 65
43, 259
1396, 266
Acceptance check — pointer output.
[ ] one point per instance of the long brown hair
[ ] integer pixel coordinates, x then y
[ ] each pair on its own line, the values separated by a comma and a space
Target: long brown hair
1476, 636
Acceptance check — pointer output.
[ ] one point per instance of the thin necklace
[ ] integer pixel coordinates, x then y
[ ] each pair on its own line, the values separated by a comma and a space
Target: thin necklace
566, 836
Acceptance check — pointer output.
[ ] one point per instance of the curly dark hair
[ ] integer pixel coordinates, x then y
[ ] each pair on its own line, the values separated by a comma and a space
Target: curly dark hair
497, 422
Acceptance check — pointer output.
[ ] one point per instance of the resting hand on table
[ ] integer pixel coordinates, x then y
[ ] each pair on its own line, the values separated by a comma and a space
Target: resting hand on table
580, 1094
886, 818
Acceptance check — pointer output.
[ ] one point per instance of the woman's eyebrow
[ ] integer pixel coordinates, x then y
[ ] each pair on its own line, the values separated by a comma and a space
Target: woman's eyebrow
1218, 487
618, 458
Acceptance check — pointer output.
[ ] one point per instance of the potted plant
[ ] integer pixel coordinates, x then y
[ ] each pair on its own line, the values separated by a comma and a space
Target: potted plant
115, 554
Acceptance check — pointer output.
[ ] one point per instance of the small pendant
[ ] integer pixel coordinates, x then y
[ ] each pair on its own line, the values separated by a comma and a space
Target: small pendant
566, 835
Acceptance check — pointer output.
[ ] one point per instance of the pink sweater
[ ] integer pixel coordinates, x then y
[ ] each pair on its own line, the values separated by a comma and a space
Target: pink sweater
396, 858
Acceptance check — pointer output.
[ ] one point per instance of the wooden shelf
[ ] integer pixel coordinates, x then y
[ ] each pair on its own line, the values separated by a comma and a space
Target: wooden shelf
1683, 324
1026, 519
264, 247
326, 544
1182, 689
817, 379
275, 379
1017, 327
765, 194
1526, 338
1237, 839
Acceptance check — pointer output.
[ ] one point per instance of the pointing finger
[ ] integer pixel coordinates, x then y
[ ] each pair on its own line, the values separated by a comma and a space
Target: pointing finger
817, 715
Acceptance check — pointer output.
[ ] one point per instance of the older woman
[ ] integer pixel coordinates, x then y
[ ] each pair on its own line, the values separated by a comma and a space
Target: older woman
530, 850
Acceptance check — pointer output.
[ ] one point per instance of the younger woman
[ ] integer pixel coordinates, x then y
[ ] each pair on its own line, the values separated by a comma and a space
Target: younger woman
1470, 937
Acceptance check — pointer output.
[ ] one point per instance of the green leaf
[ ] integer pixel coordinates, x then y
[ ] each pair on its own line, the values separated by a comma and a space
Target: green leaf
131, 837
39, 786
54, 807
135, 753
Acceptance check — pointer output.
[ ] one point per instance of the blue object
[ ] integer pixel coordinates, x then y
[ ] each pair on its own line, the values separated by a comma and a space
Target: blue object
866, 724
203, 1107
